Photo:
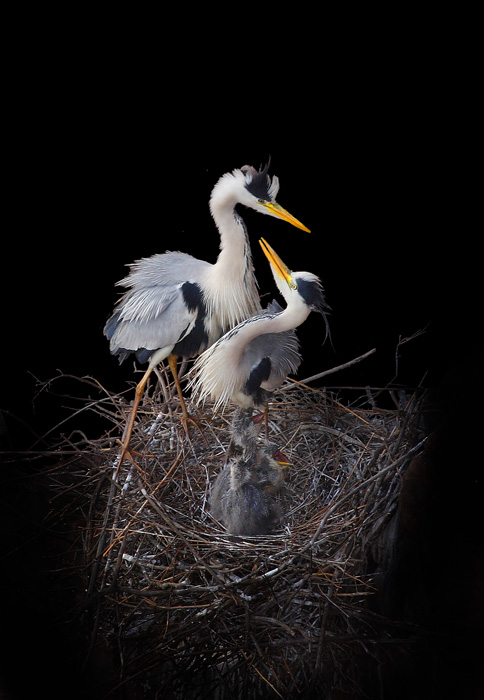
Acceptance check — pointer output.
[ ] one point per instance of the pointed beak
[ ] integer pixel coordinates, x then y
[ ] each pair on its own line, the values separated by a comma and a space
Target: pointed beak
276, 210
281, 268
281, 459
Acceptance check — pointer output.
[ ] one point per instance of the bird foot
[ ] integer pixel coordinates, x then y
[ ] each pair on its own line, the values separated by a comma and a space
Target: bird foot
186, 418
124, 454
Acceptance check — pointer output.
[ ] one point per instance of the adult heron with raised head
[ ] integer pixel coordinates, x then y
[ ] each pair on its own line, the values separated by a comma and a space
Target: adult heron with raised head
176, 305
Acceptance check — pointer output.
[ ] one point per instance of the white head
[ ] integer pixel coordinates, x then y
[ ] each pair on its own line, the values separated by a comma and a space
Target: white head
254, 189
297, 288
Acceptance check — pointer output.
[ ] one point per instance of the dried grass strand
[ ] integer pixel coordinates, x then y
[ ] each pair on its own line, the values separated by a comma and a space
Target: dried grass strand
181, 603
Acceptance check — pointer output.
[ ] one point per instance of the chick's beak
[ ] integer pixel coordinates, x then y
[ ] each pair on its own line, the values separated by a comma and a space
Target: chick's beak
276, 210
281, 459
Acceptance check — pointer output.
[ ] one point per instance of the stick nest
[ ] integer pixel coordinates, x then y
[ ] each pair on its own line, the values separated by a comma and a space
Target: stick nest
188, 611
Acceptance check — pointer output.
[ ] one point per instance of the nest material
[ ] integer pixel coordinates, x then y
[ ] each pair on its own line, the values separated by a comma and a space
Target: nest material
188, 611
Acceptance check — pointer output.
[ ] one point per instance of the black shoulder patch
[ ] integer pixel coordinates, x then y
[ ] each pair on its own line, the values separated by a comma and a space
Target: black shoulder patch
197, 339
259, 374
192, 295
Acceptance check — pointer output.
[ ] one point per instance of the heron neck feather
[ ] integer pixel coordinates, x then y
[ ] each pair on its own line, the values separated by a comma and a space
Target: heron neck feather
231, 288
292, 317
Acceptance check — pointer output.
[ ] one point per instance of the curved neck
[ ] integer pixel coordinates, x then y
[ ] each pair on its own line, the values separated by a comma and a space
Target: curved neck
233, 234
226, 354
231, 289
292, 317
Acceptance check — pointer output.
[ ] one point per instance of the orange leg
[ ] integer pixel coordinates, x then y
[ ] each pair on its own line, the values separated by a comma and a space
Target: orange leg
263, 418
172, 361
129, 427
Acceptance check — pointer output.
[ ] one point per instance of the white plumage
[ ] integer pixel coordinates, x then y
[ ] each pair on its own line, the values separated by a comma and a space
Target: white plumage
253, 359
168, 293
176, 305
222, 371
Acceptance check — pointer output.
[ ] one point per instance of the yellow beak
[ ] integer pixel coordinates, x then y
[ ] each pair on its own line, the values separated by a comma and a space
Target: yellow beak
281, 268
276, 210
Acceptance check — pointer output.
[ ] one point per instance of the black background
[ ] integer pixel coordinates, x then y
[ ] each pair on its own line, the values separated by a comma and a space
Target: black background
381, 172
392, 239
106, 165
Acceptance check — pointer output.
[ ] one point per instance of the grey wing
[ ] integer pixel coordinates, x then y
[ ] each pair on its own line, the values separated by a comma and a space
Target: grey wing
153, 313
282, 349
149, 319
167, 269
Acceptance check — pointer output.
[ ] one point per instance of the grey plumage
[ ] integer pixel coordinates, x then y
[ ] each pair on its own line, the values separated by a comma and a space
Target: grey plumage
154, 312
281, 354
253, 359
242, 495
176, 305
246, 373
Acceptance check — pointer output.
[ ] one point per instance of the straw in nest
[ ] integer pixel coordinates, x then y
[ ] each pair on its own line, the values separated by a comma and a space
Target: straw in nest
185, 610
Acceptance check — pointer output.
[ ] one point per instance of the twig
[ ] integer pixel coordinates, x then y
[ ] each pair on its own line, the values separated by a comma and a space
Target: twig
345, 365
171, 592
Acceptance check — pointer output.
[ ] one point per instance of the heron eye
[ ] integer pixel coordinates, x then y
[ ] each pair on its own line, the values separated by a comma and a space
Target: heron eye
261, 201
293, 285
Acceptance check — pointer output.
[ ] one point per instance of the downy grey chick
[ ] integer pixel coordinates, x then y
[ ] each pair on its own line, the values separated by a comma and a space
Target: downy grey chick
243, 494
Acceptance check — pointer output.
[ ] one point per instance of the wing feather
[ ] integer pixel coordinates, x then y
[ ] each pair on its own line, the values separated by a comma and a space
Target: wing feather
153, 313
168, 323
220, 373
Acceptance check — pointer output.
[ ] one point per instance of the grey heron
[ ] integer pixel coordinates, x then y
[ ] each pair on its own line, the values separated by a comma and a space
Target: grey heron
242, 496
176, 305
247, 364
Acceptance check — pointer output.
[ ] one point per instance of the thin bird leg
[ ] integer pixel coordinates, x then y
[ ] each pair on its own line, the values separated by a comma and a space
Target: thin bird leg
263, 417
162, 382
129, 427
266, 420
172, 361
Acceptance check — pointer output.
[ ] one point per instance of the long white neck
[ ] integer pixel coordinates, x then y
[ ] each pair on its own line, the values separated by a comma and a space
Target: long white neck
293, 316
231, 287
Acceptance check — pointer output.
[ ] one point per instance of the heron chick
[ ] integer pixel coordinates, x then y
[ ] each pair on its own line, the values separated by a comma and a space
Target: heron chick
176, 305
242, 496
